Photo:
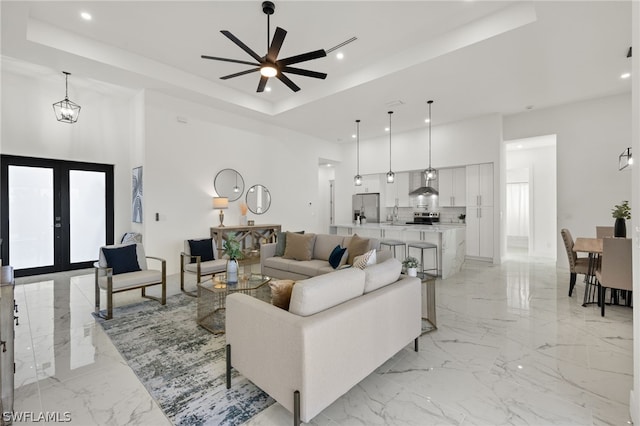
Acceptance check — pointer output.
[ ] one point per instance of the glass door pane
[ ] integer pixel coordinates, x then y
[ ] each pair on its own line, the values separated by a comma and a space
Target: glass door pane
31, 217
87, 214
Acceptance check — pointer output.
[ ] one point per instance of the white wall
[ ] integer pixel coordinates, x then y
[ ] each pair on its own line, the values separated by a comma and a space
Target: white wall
590, 136
542, 186
103, 133
182, 159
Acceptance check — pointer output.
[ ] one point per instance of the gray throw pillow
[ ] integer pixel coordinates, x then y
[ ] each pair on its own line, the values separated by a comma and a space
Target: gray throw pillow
281, 242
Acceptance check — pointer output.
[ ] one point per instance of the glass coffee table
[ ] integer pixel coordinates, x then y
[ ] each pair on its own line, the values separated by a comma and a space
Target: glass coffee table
212, 296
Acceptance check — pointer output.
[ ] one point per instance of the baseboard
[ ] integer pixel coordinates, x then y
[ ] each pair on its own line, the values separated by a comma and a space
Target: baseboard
633, 408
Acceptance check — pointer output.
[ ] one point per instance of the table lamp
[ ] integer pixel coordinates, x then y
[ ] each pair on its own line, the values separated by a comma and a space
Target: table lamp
221, 203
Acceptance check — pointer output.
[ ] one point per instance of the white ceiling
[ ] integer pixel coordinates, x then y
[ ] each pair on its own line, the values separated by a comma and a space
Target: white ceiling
471, 57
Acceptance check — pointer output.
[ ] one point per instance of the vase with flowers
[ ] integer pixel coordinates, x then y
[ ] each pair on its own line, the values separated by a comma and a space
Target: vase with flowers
621, 212
243, 214
231, 248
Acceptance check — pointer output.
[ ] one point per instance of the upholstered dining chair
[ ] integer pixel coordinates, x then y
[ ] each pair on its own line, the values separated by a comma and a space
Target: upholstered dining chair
615, 269
577, 265
123, 267
604, 231
200, 257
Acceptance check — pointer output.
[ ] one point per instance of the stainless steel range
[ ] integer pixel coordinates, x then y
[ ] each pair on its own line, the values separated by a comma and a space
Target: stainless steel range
425, 218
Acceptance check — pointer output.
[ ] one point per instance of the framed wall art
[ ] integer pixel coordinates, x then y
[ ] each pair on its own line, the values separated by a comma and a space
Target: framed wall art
136, 198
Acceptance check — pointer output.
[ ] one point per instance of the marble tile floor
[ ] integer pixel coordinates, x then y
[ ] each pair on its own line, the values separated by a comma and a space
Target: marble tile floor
511, 348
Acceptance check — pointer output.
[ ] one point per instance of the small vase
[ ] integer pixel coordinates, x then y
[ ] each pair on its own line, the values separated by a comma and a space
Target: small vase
620, 228
243, 220
412, 272
232, 271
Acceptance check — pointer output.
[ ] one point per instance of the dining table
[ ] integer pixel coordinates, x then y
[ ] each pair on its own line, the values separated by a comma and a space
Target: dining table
593, 247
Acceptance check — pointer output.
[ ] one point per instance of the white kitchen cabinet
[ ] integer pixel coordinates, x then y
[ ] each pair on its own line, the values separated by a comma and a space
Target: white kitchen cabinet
370, 183
398, 191
479, 178
480, 232
452, 187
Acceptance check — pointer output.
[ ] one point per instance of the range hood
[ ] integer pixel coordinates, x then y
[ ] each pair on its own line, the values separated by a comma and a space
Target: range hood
424, 189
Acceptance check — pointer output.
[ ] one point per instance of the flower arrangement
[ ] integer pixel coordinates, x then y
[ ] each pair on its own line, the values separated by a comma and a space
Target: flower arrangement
243, 209
410, 262
621, 211
232, 248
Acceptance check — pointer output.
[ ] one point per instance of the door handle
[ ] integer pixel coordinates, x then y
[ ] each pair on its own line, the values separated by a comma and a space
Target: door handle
58, 225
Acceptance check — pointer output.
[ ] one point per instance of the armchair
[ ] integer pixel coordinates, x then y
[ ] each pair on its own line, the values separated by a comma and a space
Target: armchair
198, 259
123, 267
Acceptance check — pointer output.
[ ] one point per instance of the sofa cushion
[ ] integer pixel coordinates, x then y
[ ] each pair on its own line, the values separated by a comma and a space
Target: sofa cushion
281, 242
365, 260
299, 246
122, 259
357, 246
324, 245
202, 248
206, 268
337, 256
281, 293
278, 263
382, 274
309, 268
325, 291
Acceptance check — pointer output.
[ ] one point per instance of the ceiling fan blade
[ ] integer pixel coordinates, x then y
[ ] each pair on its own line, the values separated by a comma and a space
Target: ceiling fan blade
276, 44
235, 61
242, 46
302, 57
305, 73
283, 78
262, 83
238, 74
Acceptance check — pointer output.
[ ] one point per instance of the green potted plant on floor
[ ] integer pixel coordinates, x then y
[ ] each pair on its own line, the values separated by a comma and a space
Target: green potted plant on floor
231, 248
621, 212
411, 265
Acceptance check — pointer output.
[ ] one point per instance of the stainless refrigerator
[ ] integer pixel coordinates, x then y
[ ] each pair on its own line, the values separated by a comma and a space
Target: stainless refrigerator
367, 205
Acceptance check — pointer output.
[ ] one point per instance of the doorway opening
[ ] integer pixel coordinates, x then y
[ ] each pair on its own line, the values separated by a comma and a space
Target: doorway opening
531, 212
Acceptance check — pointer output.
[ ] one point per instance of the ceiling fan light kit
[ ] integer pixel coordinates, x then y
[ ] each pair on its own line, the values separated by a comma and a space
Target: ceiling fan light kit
269, 65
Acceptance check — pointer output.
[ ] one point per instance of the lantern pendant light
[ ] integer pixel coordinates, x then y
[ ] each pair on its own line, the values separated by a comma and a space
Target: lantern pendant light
357, 178
66, 111
390, 176
431, 173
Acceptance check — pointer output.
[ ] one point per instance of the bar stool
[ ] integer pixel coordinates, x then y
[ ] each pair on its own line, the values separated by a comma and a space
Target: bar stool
422, 246
392, 244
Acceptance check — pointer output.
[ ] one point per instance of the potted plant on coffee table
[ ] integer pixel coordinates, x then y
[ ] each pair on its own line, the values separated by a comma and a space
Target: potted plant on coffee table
231, 248
621, 212
411, 265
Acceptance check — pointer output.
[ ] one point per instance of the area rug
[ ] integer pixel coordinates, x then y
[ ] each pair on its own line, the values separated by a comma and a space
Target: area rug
181, 364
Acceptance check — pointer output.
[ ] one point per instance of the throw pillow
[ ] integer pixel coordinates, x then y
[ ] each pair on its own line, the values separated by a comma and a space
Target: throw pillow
202, 248
122, 259
281, 293
336, 256
362, 261
299, 246
357, 246
281, 242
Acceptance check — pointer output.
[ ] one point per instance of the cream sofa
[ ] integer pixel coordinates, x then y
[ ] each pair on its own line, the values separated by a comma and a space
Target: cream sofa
278, 267
339, 328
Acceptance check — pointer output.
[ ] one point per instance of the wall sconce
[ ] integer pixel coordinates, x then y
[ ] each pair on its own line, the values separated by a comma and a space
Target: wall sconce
221, 203
625, 159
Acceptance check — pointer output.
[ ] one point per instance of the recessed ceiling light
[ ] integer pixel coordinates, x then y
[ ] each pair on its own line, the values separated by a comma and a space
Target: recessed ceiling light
340, 55
519, 146
426, 120
328, 164
85, 15
626, 75
353, 136
268, 89
386, 129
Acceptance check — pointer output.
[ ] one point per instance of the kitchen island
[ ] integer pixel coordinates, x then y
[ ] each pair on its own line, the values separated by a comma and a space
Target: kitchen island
450, 239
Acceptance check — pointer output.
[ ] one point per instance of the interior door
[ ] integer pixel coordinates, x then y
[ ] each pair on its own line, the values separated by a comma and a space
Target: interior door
55, 214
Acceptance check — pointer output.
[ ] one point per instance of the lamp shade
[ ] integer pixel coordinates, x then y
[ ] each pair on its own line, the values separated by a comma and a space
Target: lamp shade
220, 202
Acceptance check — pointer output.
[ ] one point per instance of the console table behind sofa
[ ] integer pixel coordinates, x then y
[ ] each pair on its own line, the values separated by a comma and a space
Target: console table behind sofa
250, 237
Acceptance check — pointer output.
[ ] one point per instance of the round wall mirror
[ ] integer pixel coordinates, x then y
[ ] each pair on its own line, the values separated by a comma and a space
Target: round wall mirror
229, 183
258, 199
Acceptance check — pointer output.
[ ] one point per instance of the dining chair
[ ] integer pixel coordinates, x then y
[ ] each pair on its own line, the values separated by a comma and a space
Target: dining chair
604, 231
615, 269
577, 265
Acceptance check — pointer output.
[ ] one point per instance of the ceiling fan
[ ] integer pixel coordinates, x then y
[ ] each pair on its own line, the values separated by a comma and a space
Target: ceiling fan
269, 65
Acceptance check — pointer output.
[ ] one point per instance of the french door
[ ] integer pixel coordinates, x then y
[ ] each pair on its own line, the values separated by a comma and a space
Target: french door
55, 214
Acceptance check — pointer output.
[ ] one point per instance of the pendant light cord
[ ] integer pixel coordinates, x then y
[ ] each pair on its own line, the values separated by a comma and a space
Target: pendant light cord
429, 102
390, 112
358, 147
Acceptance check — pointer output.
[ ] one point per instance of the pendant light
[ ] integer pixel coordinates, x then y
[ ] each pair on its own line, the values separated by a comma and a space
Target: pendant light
66, 111
431, 173
357, 178
390, 176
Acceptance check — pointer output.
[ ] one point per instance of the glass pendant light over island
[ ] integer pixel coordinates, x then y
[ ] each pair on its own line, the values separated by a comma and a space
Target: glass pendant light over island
390, 175
431, 173
357, 178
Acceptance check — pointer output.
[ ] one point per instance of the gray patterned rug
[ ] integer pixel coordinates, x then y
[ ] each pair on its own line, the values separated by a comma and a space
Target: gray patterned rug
181, 364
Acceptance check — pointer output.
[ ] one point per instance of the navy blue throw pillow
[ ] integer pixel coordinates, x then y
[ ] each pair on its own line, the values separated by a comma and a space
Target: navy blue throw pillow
202, 248
122, 259
336, 256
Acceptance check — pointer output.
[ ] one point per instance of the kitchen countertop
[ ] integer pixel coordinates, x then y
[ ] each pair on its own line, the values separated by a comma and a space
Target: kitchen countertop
402, 226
